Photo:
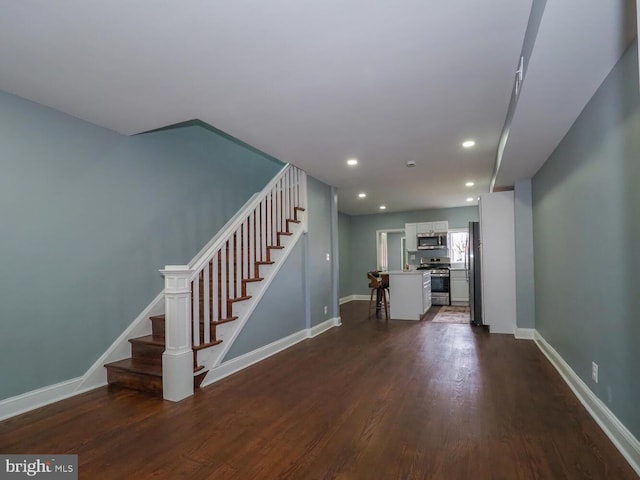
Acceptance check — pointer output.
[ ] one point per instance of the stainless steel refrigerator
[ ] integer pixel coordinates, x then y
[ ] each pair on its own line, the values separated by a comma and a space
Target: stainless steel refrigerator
473, 270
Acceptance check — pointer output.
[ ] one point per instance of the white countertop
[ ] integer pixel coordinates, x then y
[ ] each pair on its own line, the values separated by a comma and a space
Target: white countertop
410, 272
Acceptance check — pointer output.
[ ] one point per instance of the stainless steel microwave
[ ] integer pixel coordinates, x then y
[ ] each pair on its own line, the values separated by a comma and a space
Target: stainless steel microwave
432, 241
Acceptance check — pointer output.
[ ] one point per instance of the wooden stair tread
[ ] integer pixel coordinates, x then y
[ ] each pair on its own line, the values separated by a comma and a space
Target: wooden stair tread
149, 340
253, 279
239, 299
136, 366
224, 320
205, 345
140, 366
212, 322
218, 321
265, 262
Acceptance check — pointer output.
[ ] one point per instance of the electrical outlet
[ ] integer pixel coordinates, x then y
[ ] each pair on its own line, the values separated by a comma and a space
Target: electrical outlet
328, 257
594, 371
325, 309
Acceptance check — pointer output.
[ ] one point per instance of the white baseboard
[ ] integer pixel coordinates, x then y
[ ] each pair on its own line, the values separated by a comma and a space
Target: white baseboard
362, 297
25, 402
351, 298
459, 303
622, 438
323, 327
243, 361
525, 333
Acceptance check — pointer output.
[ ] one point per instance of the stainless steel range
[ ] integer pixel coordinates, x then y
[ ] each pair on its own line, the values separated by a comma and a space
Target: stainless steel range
440, 278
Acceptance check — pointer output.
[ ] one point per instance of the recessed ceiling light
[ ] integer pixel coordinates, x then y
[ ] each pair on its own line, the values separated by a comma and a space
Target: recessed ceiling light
469, 184
468, 143
362, 195
469, 199
411, 163
352, 161
383, 207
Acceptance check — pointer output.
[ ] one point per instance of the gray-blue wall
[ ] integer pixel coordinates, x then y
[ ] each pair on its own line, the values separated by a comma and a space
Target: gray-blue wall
394, 250
280, 312
320, 244
586, 235
88, 217
359, 256
344, 231
525, 284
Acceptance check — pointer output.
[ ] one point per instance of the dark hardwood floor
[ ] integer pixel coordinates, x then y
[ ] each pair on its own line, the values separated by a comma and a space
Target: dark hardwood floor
368, 400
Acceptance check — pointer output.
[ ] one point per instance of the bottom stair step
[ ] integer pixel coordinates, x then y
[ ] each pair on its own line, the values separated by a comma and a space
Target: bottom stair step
135, 374
144, 376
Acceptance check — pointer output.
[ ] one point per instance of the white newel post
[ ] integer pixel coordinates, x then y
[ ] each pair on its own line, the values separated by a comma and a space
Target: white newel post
177, 359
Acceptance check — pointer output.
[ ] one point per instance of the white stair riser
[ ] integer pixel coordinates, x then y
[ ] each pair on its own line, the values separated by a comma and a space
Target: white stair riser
253, 288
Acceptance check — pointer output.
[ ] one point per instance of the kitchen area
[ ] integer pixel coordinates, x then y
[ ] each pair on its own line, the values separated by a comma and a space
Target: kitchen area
435, 272
480, 279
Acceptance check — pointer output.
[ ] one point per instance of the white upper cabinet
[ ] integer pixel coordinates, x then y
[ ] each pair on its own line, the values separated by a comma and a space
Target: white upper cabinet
441, 227
432, 227
424, 227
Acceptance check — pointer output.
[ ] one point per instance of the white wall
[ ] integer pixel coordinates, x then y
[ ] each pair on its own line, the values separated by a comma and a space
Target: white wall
498, 261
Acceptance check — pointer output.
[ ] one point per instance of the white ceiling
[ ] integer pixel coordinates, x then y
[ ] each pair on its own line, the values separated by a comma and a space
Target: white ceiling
315, 83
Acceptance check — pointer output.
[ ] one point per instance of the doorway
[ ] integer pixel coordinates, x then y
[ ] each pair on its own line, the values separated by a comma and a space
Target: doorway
390, 249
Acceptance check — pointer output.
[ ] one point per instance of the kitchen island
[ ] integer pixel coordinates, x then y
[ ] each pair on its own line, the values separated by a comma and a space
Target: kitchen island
410, 294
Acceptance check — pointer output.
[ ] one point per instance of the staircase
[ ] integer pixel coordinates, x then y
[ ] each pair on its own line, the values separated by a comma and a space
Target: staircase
227, 279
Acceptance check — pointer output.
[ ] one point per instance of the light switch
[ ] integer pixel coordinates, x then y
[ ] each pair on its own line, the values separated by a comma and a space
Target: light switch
328, 257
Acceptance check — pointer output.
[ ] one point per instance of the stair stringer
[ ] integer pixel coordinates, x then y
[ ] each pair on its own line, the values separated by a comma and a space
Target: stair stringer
96, 375
228, 332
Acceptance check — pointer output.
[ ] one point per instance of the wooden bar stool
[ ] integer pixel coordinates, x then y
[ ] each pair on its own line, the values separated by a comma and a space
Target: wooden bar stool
380, 289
